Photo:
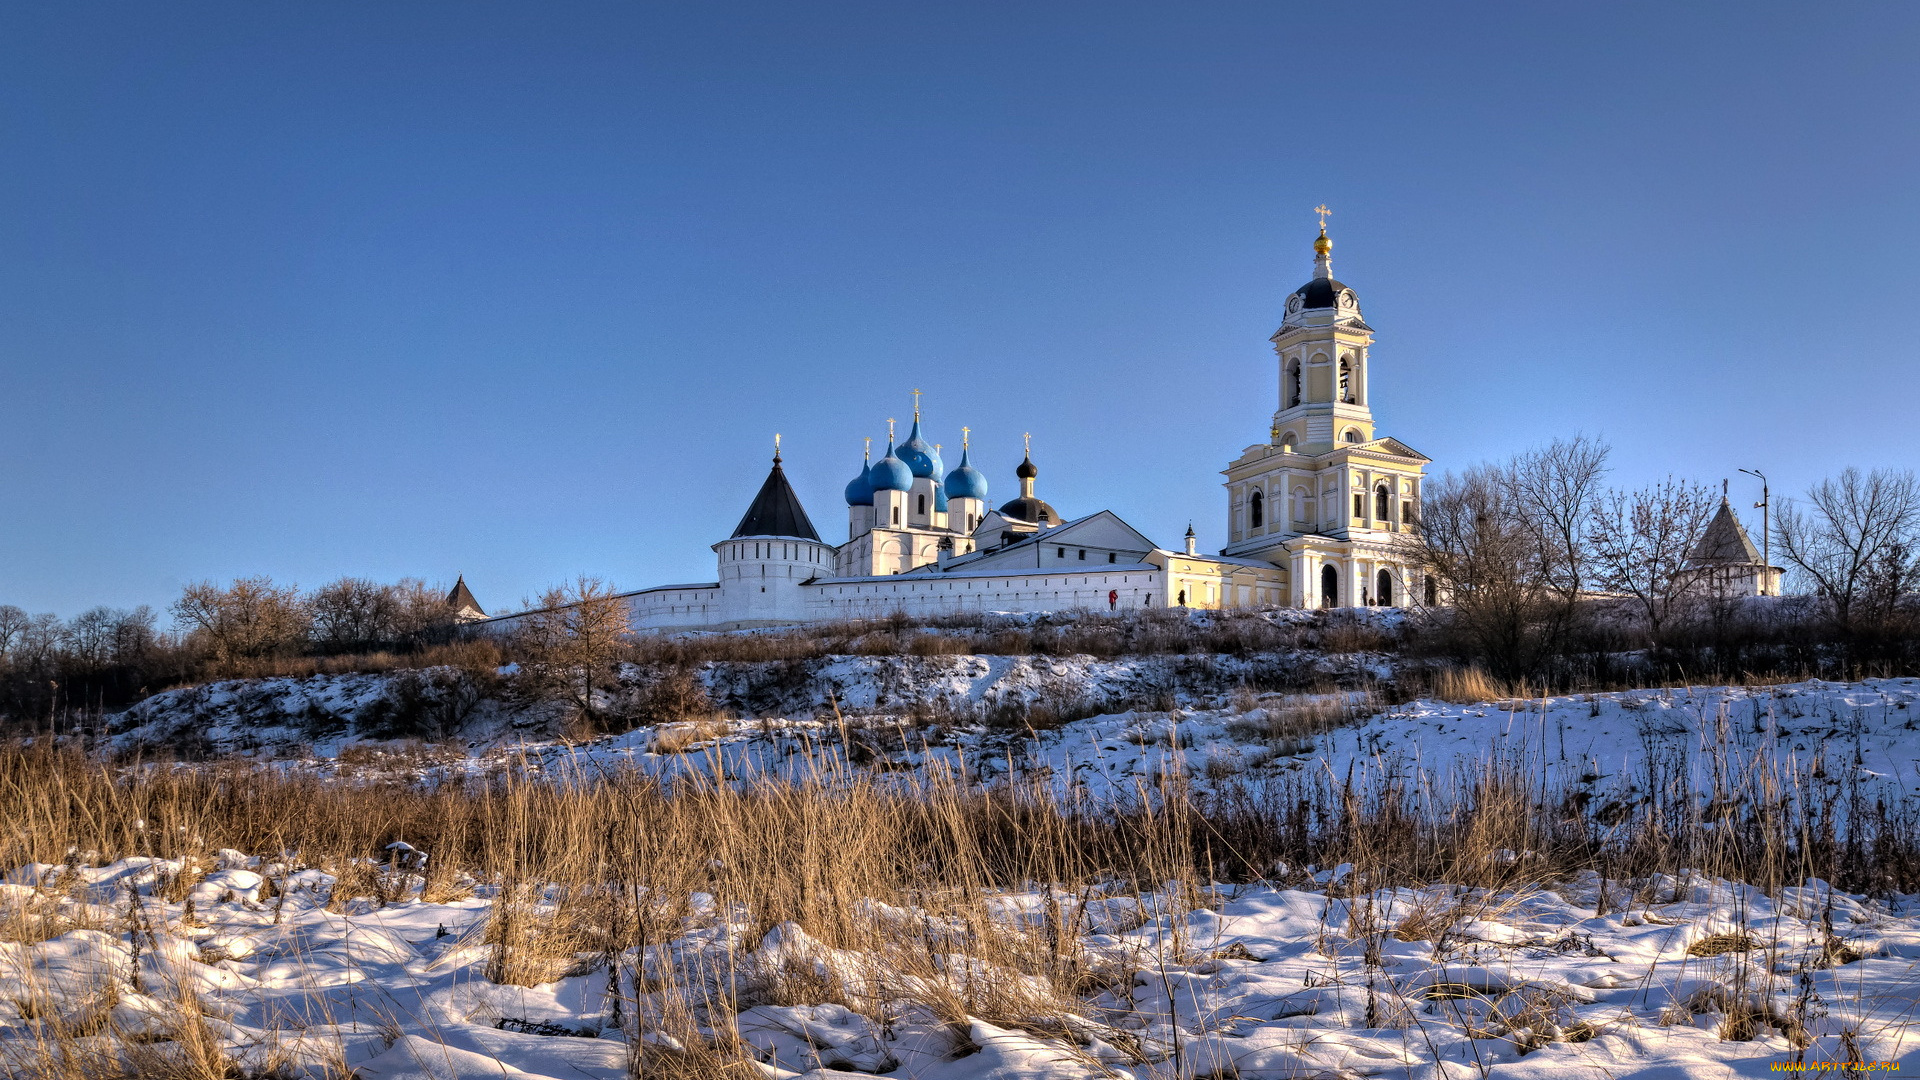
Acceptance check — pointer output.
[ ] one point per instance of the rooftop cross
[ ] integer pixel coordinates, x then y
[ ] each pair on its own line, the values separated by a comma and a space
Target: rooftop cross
1324, 214
776, 446
966, 434
916, 404
1026, 442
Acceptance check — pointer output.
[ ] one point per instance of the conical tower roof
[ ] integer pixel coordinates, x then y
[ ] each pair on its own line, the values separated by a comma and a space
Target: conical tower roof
776, 511
460, 598
1725, 541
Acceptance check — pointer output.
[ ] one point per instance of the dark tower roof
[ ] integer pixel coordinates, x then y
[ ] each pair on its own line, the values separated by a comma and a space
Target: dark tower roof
1724, 541
1030, 507
776, 511
1320, 293
461, 598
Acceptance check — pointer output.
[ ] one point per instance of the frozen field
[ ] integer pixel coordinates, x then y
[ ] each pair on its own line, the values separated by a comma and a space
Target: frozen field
1257, 982
228, 965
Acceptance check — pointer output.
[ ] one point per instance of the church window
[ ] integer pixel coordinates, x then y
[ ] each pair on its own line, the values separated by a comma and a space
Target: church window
1359, 505
1353, 435
920, 505
1111, 557
1383, 589
1059, 553
1346, 380
1433, 593
896, 515
1255, 515
1083, 554
1288, 442
1406, 511
1381, 506
1293, 383
1329, 586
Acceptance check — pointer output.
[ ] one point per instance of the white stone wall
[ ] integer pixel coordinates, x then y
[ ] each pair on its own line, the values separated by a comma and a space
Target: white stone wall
1139, 587
673, 607
760, 578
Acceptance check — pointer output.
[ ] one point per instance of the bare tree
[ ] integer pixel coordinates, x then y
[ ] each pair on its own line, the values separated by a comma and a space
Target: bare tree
1551, 493
1640, 540
1472, 541
13, 623
37, 649
250, 618
1857, 542
421, 615
352, 613
573, 638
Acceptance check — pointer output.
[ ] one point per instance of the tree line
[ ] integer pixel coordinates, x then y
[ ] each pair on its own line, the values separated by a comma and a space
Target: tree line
1548, 575
107, 657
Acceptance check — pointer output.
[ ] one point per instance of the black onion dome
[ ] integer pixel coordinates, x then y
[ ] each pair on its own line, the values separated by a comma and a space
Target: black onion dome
776, 511
1026, 471
1320, 293
1034, 510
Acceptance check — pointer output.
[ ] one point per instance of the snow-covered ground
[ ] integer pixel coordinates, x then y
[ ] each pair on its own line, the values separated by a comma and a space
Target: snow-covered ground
1253, 982
1852, 738
1278, 979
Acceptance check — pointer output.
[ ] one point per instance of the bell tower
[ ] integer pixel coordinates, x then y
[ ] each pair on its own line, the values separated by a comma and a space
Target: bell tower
1322, 349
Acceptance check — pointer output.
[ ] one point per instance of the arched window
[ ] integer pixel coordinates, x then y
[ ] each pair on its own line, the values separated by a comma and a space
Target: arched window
1287, 443
1293, 383
1352, 435
1346, 380
1383, 588
1329, 586
1382, 503
1256, 516
920, 505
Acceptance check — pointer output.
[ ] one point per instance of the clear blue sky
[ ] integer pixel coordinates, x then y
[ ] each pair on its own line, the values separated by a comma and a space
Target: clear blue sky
523, 291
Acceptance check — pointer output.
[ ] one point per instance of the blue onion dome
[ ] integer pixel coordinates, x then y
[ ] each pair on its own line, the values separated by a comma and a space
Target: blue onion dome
890, 473
920, 455
939, 498
860, 488
966, 482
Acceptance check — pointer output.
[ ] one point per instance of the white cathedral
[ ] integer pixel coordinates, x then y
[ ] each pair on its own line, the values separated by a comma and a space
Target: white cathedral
1312, 517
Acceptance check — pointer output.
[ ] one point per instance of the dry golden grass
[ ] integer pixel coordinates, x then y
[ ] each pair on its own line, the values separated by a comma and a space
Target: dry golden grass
678, 738
1466, 686
588, 872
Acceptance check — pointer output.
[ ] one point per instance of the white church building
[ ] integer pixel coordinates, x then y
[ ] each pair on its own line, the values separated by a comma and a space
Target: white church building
1313, 515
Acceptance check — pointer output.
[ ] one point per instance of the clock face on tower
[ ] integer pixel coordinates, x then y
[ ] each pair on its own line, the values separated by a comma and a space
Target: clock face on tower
1346, 298
1293, 304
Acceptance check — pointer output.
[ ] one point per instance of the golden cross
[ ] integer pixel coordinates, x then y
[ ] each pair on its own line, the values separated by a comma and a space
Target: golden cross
1026, 442
776, 442
869, 452
1324, 213
889, 431
966, 434
916, 404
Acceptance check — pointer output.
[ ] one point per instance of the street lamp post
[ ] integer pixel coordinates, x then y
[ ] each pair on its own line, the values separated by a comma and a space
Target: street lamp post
1765, 506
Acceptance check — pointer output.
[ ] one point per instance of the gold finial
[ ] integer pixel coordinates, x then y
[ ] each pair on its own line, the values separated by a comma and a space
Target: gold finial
1322, 245
776, 446
916, 404
1026, 443
868, 453
889, 431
